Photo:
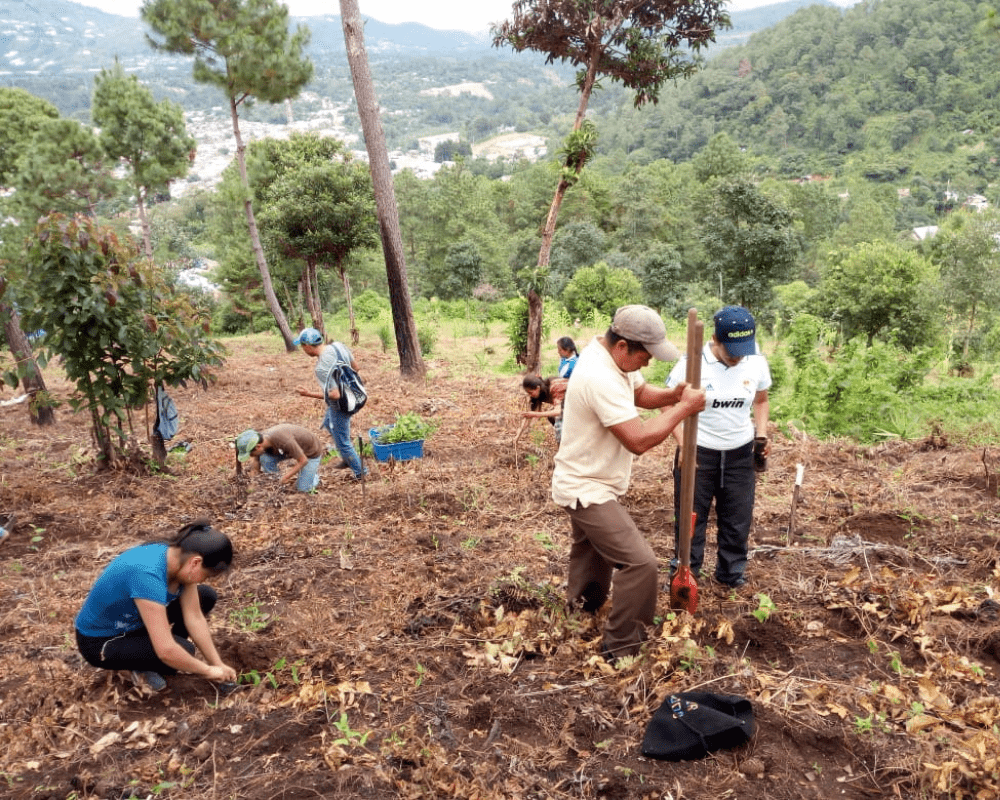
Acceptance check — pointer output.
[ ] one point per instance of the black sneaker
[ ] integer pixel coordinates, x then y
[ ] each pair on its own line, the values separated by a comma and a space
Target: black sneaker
154, 680
733, 584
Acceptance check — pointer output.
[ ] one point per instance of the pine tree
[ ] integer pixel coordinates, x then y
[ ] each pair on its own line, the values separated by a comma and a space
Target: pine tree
244, 48
149, 137
411, 362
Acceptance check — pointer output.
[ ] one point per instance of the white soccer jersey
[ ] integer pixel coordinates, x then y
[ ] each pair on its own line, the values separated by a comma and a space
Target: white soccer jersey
727, 421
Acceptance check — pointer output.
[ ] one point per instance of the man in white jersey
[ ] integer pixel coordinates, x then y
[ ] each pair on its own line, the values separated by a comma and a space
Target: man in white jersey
602, 432
735, 377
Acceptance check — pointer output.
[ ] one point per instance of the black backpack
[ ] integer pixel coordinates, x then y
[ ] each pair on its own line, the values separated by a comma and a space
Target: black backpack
690, 725
352, 391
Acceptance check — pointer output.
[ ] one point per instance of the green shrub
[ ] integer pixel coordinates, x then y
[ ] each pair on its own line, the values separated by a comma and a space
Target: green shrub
427, 335
370, 305
385, 336
779, 370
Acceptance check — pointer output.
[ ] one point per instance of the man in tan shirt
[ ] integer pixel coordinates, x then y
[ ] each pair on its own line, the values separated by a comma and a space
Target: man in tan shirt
602, 431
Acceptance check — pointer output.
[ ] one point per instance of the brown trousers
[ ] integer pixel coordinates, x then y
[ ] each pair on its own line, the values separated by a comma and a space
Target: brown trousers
608, 549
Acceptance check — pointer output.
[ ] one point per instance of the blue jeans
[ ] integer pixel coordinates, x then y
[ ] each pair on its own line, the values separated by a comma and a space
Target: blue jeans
338, 425
308, 477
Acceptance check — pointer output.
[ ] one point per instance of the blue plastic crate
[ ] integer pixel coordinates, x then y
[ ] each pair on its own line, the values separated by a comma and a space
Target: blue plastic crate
399, 451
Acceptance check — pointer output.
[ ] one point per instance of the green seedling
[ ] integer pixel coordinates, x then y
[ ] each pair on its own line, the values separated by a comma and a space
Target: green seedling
896, 663
251, 617
38, 537
349, 737
545, 540
409, 427
765, 607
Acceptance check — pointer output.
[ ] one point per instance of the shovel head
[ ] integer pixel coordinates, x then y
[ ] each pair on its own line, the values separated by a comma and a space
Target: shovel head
684, 590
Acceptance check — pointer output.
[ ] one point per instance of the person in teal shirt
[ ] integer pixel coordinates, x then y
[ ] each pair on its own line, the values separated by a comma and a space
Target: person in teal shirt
146, 611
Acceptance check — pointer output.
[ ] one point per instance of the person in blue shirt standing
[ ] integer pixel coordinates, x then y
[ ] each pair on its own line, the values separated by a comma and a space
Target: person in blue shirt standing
146, 612
336, 422
568, 355
736, 378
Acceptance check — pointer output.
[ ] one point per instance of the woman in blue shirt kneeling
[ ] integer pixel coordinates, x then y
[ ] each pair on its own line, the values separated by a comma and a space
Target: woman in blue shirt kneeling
146, 611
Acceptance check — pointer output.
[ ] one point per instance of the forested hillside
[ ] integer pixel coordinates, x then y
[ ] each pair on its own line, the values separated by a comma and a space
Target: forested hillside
889, 88
802, 175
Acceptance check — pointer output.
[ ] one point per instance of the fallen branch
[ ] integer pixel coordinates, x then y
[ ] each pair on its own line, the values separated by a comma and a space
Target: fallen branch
844, 548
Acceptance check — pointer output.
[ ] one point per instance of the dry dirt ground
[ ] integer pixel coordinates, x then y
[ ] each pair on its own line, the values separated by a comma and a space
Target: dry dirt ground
407, 637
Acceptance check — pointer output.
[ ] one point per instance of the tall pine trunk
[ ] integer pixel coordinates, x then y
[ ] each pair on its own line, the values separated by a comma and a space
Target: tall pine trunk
411, 362
258, 250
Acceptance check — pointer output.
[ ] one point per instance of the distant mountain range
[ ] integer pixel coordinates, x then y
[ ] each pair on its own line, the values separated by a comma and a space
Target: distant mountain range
57, 37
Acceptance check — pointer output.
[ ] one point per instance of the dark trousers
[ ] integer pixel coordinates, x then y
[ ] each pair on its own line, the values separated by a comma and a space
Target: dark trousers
134, 650
728, 478
608, 550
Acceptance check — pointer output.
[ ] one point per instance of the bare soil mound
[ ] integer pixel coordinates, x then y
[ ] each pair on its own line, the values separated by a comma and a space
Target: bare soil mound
406, 637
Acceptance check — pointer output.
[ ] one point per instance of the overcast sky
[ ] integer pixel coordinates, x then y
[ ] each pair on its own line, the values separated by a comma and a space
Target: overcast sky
465, 15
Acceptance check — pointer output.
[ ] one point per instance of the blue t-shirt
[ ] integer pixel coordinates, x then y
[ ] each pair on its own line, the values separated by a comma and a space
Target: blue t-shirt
566, 365
138, 573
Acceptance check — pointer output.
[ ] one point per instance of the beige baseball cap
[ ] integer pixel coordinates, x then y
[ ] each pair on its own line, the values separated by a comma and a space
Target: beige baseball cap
642, 324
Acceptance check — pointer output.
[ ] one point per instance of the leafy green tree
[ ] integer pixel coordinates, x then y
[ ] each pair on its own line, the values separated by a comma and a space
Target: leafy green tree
117, 327
720, 158
660, 269
869, 215
450, 150
638, 211
602, 289
149, 137
640, 45
792, 300
750, 241
411, 193
243, 48
576, 245
317, 205
462, 271
54, 165
882, 289
967, 250
457, 205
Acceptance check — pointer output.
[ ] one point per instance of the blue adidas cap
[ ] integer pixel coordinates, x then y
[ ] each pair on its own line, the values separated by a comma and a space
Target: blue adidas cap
735, 329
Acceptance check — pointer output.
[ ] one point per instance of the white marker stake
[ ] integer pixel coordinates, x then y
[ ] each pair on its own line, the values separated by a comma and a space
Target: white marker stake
800, 471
